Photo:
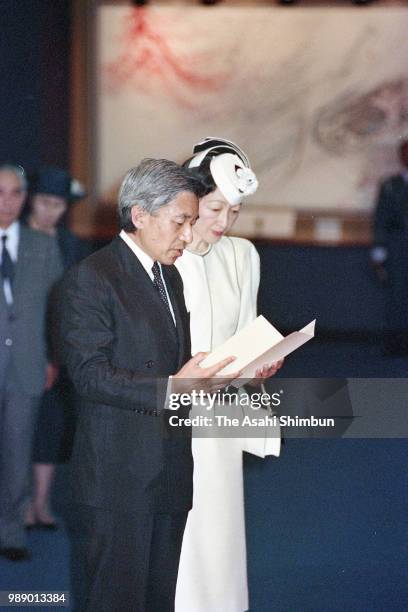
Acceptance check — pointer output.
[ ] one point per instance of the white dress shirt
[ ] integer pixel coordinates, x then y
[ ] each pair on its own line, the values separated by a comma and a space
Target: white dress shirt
13, 238
147, 262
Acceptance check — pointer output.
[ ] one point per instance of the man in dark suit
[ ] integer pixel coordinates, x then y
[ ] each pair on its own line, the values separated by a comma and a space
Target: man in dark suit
125, 331
30, 264
390, 253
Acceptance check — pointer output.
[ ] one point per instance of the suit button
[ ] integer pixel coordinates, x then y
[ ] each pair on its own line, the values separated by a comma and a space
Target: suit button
149, 364
12, 318
8, 342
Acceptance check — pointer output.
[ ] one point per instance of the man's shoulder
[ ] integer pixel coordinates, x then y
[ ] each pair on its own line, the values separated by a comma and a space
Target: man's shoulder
241, 245
110, 254
100, 264
393, 181
393, 191
236, 249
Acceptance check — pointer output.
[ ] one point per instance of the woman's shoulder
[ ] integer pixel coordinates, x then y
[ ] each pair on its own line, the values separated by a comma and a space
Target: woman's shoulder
242, 248
241, 244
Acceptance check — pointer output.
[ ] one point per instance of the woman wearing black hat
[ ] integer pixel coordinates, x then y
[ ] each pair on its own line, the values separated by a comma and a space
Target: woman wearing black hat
52, 191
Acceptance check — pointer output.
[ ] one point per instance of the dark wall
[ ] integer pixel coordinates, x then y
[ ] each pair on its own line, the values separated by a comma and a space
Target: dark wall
34, 90
334, 285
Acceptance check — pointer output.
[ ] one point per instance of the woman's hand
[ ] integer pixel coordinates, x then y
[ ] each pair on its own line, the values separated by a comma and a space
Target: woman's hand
265, 372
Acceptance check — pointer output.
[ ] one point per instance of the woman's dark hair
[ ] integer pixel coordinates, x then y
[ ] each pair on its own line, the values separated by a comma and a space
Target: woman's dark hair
203, 174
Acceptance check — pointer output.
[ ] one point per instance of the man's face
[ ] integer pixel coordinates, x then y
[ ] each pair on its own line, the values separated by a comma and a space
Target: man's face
165, 234
12, 196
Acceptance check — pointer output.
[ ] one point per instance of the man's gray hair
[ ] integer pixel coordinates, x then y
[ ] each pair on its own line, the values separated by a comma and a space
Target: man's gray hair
151, 185
18, 171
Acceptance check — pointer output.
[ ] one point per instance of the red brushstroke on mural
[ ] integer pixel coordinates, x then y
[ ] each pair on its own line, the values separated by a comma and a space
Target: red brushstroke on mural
147, 58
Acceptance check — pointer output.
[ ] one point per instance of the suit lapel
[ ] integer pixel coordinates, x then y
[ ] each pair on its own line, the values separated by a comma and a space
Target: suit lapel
143, 285
168, 273
3, 303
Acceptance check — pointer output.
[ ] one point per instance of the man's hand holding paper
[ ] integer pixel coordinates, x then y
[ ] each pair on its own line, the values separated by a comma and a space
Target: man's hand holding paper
193, 376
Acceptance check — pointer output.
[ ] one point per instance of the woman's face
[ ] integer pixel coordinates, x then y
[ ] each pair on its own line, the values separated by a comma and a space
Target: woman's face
47, 210
215, 217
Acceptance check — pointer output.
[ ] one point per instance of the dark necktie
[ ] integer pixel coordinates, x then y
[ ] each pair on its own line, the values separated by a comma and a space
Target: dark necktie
158, 283
7, 265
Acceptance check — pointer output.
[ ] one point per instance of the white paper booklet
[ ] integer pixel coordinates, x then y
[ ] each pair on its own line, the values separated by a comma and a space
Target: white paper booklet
257, 344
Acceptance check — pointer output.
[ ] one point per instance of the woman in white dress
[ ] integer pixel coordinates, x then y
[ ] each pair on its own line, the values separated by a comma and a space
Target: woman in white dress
221, 279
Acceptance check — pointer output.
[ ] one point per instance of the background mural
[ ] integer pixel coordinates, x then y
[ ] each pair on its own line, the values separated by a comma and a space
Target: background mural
318, 97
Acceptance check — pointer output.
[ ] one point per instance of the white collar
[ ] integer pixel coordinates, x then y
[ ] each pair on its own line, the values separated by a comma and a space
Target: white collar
147, 262
12, 232
145, 259
13, 236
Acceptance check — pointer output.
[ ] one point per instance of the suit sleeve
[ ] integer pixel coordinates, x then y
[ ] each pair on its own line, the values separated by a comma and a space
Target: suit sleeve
248, 271
87, 333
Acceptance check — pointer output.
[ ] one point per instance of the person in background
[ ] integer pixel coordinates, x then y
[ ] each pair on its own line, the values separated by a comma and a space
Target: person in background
221, 278
389, 254
29, 265
52, 191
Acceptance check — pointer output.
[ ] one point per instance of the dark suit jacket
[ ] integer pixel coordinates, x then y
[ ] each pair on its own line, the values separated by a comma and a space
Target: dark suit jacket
37, 268
120, 347
391, 214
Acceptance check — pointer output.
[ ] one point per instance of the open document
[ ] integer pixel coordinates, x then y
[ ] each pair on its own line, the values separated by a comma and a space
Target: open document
257, 344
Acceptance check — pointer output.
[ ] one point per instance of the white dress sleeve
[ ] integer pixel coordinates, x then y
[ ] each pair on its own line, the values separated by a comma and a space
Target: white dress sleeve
248, 276
248, 273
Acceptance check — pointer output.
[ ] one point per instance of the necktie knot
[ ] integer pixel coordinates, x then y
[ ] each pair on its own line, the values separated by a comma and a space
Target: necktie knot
6, 271
7, 265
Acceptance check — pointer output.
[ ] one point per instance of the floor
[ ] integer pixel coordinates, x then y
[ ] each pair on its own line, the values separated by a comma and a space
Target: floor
326, 522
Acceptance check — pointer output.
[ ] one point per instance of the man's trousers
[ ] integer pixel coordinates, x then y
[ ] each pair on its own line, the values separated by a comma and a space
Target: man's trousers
18, 413
131, 560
